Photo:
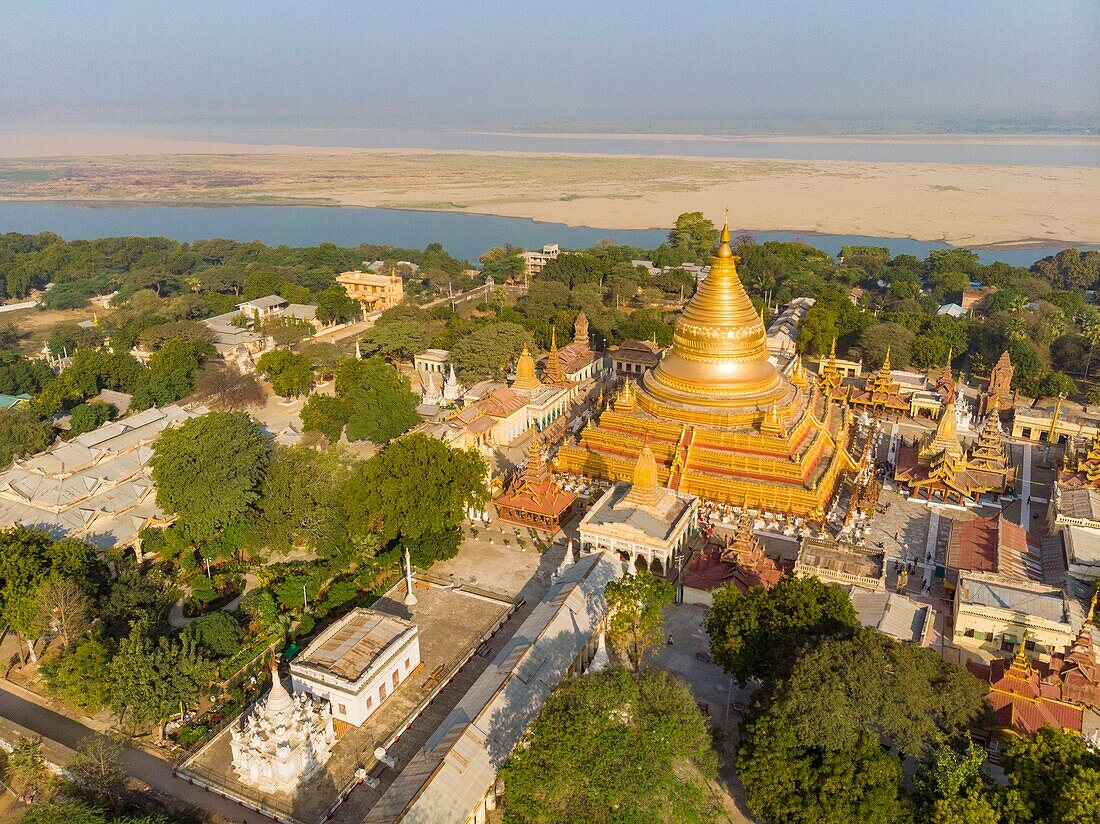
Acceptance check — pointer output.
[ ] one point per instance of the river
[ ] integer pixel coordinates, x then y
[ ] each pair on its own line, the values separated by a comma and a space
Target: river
463, 235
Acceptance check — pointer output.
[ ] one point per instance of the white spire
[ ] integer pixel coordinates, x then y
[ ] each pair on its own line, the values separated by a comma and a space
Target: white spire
566, 561
410, 597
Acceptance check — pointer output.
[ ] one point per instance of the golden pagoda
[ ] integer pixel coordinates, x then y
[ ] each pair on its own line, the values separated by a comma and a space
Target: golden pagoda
722, 422
525, 372
552, 371
829, 377
881, 394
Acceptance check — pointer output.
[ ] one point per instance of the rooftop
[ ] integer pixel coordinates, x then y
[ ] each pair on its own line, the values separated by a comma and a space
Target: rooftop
1024, 599
349, 647
903, 619
95, 487
267, 302
658, 522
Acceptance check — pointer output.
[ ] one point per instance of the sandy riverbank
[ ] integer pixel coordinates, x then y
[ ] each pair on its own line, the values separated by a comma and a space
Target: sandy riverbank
961, 204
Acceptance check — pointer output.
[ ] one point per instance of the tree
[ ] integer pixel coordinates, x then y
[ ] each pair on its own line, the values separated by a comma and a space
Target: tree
693, 233
1055, 776
88, 416
64, 605
286, 331
610, 747
150, 680
300, 501
325, 357
1057, 384
786, 780
225, 388
381, 405
635, 605
334, 306
946, 773
400, 340
208, 471
327, 415
63, 810
415, 491
21, 434
97, 767
291, 375
489, 351
219, 634
817, 331
27, 766
80, 674
758, 634
875, 340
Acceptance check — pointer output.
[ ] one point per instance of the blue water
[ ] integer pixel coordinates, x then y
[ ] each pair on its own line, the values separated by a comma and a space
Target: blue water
463, 235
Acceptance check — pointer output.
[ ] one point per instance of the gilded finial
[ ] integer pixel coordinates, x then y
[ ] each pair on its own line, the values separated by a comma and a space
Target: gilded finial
724, 250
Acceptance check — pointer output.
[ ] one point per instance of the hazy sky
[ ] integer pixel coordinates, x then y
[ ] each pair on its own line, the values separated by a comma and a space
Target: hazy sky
529, 63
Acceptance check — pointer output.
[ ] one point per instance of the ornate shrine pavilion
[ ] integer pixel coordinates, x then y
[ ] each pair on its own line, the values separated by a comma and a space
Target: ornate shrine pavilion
723, 423
534, 499
941, 471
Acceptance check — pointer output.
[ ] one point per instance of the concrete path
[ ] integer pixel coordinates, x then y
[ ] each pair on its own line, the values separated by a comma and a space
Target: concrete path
177, 619
930, 546
25, 708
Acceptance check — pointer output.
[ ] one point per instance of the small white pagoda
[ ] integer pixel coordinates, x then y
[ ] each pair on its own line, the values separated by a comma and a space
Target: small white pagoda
283, 741
452, 389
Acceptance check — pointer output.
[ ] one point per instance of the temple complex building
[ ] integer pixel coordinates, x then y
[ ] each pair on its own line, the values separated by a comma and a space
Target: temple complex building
644, 522
880, 394
635, 357
283, 741
940, 471
723, 423
574, 363
358, 662
373, 292
534, 499
841, 562
999, 390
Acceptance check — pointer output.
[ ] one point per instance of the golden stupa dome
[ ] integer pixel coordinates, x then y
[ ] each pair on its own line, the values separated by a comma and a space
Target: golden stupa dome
719, 358
525, 371
644, 489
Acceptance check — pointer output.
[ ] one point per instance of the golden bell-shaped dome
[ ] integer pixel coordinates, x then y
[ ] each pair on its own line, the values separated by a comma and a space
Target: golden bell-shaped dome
644, 489
719, 357
525, 371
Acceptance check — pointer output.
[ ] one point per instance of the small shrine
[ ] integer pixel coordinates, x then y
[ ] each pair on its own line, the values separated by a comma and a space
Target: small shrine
553, 372
998, 392
283, 741
534, 499
941, 471
1081, 468
1025, 695
881, 393
829, 378
945, 383
526, 379
452, 389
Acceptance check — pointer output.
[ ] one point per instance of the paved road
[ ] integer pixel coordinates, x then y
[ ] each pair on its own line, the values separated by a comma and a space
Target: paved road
139, 764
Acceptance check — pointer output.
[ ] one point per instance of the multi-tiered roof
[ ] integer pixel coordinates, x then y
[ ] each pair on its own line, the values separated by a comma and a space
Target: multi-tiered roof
722, 421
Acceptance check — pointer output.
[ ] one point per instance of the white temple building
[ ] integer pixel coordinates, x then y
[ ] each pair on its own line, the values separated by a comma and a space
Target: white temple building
283, 741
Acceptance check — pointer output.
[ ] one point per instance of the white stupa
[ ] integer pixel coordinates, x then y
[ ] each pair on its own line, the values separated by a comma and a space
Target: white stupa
452, 389
283, 741
431, 395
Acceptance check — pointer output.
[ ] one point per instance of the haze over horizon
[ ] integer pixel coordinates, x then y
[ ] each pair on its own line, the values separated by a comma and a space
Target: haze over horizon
238, 71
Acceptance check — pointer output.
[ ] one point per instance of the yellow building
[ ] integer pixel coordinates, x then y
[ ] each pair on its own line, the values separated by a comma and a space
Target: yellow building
722, 421
372, 292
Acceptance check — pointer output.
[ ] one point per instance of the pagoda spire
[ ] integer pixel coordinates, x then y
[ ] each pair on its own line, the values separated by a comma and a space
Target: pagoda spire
644, 491
946, 439
553, 372
885, 368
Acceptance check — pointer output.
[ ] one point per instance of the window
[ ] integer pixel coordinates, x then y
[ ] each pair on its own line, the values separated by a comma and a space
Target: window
370, 702
342, 709
396, 678
1006, 645
406, 663
382, 691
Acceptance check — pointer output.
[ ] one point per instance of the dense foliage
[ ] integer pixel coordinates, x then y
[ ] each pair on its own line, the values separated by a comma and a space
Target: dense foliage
612, 747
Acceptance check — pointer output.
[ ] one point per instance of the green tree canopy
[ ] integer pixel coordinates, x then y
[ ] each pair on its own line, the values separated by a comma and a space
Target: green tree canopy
208, 471
758, 634
693, 233
610, 747
635, 605
218, 634
400, 340
291, 375
489, 351
22, 433
415, 492
379, 402
301, 503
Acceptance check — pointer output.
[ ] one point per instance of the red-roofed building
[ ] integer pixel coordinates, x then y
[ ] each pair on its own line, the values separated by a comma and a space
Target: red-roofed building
991, 545
741, 563
535, 499
1020, 699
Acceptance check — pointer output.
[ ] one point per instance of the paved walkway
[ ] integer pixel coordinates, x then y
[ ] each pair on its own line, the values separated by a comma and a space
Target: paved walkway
1025, 487
177, 619
25, 708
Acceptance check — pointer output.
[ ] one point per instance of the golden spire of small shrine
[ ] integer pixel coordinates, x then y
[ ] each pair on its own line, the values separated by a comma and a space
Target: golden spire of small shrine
644, 491
525, 371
